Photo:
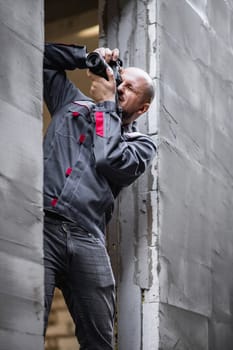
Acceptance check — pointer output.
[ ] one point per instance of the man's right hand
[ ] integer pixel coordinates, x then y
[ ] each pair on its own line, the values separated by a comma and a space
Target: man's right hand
101, 89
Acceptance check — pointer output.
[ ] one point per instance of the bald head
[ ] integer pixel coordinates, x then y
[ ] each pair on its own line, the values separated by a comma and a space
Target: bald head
135, 93
147, 85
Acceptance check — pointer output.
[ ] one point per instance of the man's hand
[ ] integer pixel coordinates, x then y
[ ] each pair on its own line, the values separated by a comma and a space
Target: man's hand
101, 89
107, 54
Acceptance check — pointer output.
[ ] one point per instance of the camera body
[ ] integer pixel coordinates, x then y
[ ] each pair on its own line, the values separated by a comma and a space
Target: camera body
97, 65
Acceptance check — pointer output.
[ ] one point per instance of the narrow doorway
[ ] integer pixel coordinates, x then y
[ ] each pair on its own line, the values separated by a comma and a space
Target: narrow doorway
69, 22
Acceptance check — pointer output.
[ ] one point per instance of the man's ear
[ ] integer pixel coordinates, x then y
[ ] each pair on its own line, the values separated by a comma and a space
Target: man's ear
140, 111
144, 108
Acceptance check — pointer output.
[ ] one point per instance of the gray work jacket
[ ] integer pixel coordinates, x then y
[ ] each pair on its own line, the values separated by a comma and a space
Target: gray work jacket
88, 156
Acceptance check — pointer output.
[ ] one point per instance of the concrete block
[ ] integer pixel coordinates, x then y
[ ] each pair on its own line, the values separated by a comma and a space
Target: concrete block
20, 341
182, 330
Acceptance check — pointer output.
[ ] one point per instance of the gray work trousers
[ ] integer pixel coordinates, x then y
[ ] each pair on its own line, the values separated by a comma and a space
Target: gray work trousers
77, 263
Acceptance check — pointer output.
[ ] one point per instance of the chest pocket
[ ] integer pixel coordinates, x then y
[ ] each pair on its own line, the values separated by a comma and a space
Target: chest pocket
70, 131
76, 122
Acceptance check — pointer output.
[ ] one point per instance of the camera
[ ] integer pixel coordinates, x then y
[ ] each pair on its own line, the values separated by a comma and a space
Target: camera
97, 65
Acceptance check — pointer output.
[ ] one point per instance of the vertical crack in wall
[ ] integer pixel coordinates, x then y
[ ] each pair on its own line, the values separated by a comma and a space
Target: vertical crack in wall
142, 318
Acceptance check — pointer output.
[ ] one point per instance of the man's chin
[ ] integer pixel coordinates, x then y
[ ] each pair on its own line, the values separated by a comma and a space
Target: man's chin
125, 118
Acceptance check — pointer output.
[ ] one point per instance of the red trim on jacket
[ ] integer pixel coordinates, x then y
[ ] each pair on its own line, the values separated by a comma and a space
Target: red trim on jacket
99, 123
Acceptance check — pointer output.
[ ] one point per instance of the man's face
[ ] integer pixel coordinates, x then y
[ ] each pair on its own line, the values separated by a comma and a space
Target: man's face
130, 94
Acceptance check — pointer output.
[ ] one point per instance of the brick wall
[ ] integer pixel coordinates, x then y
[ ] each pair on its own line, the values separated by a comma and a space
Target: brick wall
60, 333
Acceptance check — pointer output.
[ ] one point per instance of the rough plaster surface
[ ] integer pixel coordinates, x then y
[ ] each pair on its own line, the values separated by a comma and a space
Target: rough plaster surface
21, 295
195, 174
174, 226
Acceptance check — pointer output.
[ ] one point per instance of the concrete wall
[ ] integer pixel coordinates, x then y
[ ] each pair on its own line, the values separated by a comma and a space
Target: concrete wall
133, 234
171, 239
21, 271
195, 174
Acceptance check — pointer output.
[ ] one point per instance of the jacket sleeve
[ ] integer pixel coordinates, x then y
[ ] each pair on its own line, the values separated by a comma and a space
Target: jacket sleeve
58, 58
121, 158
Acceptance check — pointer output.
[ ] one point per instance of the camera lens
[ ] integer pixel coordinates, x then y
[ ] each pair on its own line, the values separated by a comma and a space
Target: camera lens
96, 64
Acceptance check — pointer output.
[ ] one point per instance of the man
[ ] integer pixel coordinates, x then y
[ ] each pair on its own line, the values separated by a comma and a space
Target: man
91, 151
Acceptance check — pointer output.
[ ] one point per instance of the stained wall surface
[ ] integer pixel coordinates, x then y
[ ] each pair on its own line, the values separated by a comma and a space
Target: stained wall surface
21, 270
195, 174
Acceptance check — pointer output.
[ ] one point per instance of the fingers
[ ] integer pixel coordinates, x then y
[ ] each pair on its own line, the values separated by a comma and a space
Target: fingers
108, 54
97, 78
101, 51
93, 76
110, 74
102, 89
115, 54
